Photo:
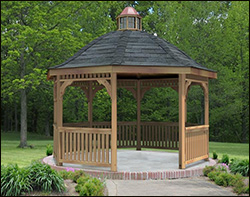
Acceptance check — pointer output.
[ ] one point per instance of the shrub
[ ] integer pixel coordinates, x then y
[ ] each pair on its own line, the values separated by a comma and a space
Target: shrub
212, 175
219, 180
44, 178
14, 180
208, 169
66, 174
239, 187
77, 174
240, 166
93, 187
49, 150
80, 182
237, 177
227, 177
225, 159
215, 156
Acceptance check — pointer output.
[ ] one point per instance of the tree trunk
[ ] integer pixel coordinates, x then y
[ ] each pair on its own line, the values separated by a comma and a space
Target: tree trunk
23, 134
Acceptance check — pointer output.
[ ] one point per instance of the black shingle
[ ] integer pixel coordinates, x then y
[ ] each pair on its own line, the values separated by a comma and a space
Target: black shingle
135, 48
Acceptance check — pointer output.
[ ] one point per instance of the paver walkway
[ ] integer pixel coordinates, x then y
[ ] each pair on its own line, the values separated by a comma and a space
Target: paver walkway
195, 186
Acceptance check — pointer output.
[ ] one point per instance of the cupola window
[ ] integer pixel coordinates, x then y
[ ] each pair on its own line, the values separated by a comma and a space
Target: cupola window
129, 19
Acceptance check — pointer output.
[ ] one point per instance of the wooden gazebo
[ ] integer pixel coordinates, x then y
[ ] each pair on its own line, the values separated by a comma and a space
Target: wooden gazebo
133, 59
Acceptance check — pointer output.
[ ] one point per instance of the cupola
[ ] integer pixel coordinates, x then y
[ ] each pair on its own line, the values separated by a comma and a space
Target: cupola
129, 19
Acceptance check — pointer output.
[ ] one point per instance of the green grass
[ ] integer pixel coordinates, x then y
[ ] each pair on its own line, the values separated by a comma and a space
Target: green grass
22, 156
11, 154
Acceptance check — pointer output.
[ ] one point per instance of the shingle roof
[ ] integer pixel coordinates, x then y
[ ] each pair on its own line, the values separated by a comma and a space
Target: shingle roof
130, 48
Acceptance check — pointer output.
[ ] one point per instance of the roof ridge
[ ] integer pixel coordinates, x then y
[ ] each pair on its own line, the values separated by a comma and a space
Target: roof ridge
121, 47
83, 49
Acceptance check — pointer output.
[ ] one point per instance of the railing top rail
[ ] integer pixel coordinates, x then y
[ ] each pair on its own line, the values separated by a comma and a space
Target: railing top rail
86, 130
197, 127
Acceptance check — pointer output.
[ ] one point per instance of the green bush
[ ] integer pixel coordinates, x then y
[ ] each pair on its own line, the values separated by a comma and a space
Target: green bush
208, 169
49, 150
66, 174
239, 187
237, 177
80, 182
212, 175
77, 174
93, 187
225, 159
240, 166
14, 180
219, 180
227, 177
44, 178
215, 156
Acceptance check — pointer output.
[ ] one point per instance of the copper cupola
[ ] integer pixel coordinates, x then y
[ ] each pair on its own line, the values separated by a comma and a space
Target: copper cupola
129, 19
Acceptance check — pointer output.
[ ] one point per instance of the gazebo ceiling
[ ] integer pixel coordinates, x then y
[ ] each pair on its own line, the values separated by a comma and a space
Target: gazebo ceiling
130, 48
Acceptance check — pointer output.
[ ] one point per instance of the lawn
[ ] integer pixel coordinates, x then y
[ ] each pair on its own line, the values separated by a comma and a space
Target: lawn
23, 156
11, 154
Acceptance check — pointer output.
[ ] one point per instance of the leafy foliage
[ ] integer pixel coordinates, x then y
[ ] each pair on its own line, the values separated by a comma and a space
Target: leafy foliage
14, 180
208, 169
92, 187
224, 159
44, 178
240, 166
215, 156
49, 149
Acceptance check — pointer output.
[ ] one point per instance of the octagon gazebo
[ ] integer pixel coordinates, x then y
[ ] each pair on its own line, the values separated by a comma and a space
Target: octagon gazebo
133, 59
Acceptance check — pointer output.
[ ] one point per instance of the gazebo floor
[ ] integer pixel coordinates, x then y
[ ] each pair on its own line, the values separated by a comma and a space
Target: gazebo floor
140, 165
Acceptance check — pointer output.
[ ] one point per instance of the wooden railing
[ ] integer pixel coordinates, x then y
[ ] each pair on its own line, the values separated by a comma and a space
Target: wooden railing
84, 146
196, 142
126, 134
163, 135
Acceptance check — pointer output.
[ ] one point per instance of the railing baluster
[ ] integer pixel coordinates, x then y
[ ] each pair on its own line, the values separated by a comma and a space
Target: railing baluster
99, 147
94, 147
107, 148
78, 145
63, 144
70, 145
90, 147
86, 147
74, 146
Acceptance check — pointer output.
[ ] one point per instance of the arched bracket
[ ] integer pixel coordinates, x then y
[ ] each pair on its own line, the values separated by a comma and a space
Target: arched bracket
63, 87
133, 91
204, 86
106, 84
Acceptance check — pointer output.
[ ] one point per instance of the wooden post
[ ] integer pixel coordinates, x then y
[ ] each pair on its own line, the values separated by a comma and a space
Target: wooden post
138, 146
54, 129
90, 105
182, 111
206, 105
59, 118
114, 122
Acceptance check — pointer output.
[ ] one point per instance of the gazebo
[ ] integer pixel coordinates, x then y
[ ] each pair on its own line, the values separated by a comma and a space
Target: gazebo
137, 61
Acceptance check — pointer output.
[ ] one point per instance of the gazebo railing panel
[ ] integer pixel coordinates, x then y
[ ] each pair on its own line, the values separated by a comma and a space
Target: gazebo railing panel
85, 146
126, 134
162, 135
196, 142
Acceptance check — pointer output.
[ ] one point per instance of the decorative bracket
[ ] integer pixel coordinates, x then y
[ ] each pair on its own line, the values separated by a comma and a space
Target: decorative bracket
63, 87
106, 84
